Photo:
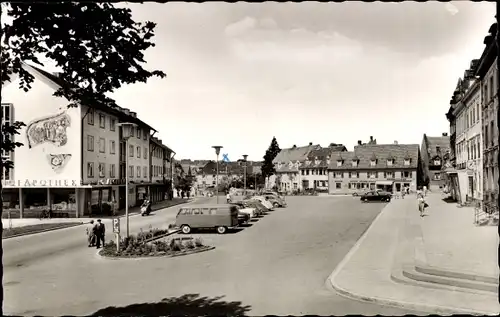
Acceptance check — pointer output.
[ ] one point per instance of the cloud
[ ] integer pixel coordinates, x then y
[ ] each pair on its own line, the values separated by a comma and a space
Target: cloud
268, 23
240, 27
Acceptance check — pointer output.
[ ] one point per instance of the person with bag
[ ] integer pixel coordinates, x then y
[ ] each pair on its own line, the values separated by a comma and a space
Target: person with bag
90, 234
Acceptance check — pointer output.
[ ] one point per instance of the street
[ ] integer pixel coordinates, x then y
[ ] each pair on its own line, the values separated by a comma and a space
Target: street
278, 265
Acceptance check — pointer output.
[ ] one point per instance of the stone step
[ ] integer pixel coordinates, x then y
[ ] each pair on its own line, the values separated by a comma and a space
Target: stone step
456, 275
411, 273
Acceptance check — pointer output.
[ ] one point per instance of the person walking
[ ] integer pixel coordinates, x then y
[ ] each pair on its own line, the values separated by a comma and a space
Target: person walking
421, 202
90, 234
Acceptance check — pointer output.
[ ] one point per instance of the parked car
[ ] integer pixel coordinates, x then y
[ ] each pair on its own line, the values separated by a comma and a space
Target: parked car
275, 200
244, 209
243, 218
374, 195
220, 217
264, 201
257, 205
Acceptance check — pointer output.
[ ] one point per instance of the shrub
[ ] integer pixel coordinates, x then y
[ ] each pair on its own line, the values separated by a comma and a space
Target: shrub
198, 242
171, 226
189, 244
175, 245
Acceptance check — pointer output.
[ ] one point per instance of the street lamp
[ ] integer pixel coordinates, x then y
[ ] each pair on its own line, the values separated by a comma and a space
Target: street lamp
217, 152
127, 132
245, 173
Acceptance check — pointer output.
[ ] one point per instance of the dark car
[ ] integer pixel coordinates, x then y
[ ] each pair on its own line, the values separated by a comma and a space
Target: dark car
374, 195
243, 218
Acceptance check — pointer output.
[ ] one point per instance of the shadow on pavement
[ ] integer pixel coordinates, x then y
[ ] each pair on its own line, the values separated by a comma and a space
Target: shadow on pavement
229, 230
449, 200
186, 305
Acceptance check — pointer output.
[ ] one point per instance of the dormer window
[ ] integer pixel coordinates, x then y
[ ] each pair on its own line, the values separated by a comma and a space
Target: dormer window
437, 161
373, 162
279, 165
407, 162
339, 163
354, 163
390, 162
290, 165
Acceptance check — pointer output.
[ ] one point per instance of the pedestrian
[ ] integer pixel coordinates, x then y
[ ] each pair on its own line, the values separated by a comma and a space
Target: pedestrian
95, 233
407, 190
421, 202
101, 233
228, 198
425, 191
90, 234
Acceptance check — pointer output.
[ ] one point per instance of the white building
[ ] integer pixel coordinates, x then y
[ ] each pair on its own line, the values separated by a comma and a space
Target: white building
72, 160
468, 142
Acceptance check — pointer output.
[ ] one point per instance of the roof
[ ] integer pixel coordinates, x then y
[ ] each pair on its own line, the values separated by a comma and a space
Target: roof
105, 108
432, 142
363, 154
294, 154
318, 158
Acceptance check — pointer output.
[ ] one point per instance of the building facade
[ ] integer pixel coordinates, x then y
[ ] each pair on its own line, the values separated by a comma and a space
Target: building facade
432, 152
487, 72
81, 153
314, 169
391, 167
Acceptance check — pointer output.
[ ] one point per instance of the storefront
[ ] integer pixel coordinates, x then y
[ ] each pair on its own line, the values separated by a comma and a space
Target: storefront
141, 192
385, 185
158, 192
101, 201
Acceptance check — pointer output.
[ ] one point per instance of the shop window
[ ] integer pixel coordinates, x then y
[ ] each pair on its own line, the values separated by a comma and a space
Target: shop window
338, 185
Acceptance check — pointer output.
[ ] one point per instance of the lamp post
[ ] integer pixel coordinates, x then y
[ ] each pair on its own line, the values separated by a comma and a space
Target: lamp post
245, 173
217, 152
127, 132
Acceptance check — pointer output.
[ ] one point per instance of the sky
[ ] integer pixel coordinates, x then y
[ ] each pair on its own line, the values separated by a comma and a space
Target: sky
239, 74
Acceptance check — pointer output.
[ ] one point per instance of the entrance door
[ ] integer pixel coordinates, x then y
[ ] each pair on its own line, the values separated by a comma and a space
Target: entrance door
398, 187
471, 187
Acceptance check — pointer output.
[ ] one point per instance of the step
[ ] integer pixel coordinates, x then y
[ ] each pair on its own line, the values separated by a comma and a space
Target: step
425, 269
411, 273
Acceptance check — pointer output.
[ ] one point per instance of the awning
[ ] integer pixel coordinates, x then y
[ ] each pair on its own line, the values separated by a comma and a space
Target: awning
384, 182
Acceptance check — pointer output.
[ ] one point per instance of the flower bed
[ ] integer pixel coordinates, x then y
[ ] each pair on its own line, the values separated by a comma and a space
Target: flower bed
134, 248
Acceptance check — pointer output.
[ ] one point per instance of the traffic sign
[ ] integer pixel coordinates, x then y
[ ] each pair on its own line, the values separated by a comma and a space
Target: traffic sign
116, 225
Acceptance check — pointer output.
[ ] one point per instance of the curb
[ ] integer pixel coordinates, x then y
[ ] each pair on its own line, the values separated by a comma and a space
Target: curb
44, 230
103, 257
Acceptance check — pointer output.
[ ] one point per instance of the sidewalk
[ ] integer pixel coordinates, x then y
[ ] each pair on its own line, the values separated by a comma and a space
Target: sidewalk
366, 271
107, 219
452, 241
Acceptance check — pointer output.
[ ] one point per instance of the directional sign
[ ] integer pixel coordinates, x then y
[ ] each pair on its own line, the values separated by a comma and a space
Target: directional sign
116, 225
225, 158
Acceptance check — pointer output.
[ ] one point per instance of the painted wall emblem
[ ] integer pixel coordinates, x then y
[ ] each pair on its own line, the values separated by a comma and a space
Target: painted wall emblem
49, 129
58, 161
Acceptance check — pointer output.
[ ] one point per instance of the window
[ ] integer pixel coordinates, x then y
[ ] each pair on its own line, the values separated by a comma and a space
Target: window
354, 163
145, 153
492, 130
389, 162
90, 169
406, 174
407, 162
307, 172
138, 152
372, 174
302, 172
138, 133
486, 136
112, 147
145, 135
90, 143
102, 121
112, 124
102, 145
437, 162
90, 116
373, 162
138, 171
102, 170
339, 163
145, 172
131, 150
388, 174
437, 176
112, 172
492, 92
131, 171
339, 175
338, 185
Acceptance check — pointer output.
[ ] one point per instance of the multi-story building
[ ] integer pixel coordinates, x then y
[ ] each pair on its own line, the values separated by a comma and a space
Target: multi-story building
286, 164
79, 152
487, 73
390, 167
160, 171
432, 151
314, 169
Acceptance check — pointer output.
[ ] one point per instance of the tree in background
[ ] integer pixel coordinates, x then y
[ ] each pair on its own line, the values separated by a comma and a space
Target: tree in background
267, 166
97, 46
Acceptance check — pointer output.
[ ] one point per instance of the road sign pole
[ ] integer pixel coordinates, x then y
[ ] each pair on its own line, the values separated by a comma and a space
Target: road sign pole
118, 243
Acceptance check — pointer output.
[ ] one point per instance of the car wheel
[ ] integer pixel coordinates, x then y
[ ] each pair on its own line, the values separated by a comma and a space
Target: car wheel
276, 205
365, 200
185, 229
221, 230
388, 199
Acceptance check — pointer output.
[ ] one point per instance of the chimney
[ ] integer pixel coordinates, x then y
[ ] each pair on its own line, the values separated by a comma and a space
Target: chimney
359, 142
445, 134
396, 142
310, 143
